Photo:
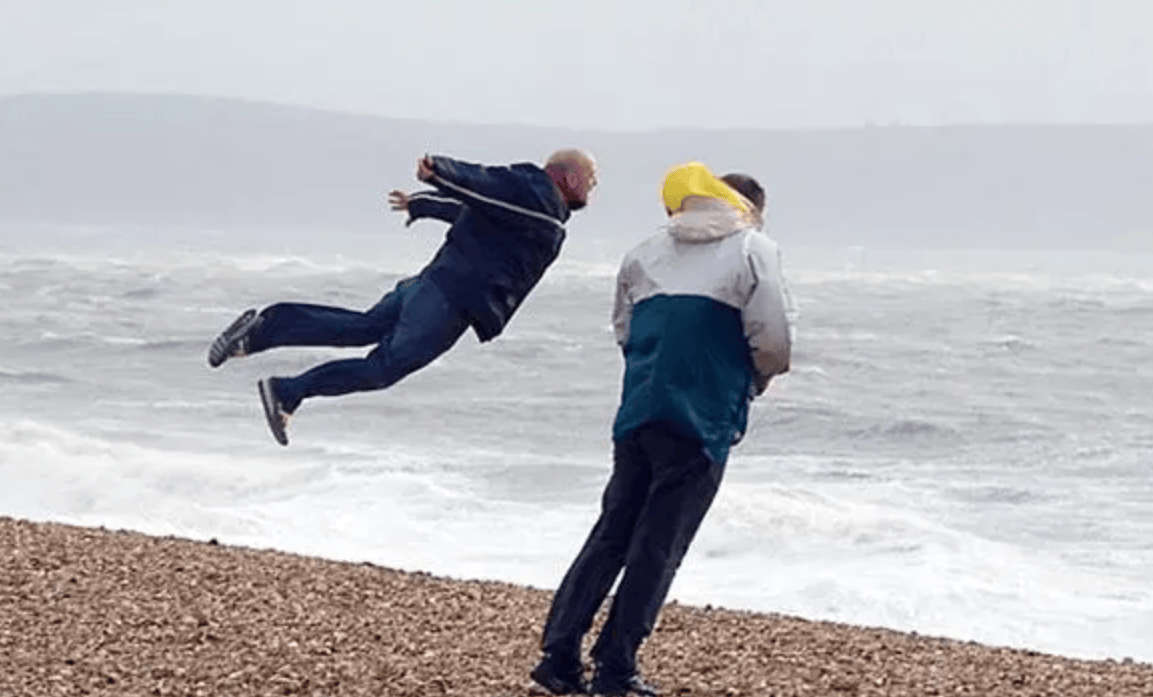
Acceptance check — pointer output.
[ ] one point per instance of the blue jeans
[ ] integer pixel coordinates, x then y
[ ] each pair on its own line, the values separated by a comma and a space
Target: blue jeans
662, 485
412, 325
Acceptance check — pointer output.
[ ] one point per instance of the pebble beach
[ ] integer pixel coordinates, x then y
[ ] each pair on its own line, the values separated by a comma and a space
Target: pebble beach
104, 612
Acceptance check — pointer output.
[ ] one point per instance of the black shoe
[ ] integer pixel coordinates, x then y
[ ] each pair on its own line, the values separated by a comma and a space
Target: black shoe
559, 681
273, 410
233, 341
613, 686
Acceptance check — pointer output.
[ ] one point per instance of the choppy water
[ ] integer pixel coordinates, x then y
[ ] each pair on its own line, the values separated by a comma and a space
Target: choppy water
963, 447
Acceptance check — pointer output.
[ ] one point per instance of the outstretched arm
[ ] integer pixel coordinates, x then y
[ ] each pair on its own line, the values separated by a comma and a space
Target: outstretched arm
425, 204
489, 190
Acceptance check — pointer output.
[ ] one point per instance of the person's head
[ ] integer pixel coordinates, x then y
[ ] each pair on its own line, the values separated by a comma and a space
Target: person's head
575, 174
748, 187
692, 184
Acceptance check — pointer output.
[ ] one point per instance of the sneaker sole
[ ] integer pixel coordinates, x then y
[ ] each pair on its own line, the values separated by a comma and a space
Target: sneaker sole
222, 347
275, 424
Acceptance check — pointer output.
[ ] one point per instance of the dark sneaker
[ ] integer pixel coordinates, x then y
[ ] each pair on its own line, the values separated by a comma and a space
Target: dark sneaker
612, 686
560, 681
273, 410
233, 341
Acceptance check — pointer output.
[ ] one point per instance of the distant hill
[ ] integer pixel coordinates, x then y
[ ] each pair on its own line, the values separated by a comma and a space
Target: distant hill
103, 158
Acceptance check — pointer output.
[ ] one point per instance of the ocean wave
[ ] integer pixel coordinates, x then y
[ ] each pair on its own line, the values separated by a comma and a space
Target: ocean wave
32, 378
197, 262
1010, 342
905, 429
55, 341
59, 471
173, 344
568, 269
1077, 290
993, 494
798, 521
1124, 341
1140, 310
801, 365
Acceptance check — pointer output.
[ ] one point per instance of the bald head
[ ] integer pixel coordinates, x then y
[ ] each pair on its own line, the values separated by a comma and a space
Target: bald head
575, 174
571, 157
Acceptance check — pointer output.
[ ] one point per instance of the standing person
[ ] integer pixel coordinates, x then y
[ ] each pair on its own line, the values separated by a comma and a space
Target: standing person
752, 190
700, 317
507, 228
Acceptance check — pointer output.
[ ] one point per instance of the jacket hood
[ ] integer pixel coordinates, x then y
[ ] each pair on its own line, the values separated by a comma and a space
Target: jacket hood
694, 179
704, 207
707, 220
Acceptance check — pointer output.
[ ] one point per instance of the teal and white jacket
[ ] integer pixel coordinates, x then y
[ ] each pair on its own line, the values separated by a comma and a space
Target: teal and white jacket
702, 316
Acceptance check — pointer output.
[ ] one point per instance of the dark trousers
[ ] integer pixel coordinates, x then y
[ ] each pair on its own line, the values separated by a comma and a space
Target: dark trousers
661, 488
411, 325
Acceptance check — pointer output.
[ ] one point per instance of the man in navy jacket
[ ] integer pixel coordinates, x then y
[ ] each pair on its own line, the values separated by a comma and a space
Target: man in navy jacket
507, 229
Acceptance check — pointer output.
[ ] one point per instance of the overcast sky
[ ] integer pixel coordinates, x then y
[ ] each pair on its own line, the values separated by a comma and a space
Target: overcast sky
617, 64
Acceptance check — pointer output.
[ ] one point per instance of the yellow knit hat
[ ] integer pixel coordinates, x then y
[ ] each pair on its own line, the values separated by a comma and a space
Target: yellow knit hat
694, 179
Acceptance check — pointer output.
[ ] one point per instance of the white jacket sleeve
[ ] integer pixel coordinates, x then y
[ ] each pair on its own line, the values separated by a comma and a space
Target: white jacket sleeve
792, 313
622, 305
765, 314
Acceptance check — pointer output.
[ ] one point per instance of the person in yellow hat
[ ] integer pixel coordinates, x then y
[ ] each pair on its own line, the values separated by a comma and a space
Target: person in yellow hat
695, 179
700, 315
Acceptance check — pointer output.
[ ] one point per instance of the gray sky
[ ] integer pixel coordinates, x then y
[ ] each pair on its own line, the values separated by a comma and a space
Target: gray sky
617, 64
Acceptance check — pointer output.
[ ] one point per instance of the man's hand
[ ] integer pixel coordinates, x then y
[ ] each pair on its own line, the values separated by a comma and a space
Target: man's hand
398, 200
424, 171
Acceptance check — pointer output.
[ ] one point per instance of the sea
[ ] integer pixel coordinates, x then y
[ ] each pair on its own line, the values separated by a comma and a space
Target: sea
963, 447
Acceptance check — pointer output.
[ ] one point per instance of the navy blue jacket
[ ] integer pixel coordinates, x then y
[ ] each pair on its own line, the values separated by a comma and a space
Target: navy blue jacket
431, 204
507, 229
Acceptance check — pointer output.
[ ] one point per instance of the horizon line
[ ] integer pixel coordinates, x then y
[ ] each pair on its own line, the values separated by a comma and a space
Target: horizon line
868, 125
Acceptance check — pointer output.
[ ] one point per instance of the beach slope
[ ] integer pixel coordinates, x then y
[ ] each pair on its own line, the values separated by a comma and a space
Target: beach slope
93, 611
